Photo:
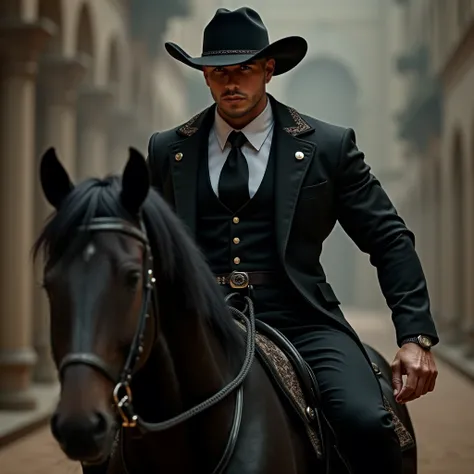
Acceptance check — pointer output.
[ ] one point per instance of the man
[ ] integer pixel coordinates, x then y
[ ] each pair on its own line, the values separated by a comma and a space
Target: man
260, 187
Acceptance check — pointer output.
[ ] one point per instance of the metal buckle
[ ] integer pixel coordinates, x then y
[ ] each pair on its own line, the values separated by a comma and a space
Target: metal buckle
123, 405
239, 280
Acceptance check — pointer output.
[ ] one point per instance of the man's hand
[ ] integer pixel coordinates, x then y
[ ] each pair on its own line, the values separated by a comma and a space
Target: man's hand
420, 368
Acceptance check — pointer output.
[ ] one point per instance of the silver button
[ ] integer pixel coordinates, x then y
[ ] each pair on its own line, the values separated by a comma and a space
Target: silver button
299, 155
236, 260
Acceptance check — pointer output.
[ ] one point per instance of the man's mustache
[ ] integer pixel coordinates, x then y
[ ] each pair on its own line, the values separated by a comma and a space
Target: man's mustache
233, 93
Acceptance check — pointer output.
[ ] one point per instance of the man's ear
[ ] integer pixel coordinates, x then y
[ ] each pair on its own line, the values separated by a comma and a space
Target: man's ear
269, 70
205, 74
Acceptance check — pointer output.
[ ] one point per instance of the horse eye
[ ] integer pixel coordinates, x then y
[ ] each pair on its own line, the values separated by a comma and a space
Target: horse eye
132, 278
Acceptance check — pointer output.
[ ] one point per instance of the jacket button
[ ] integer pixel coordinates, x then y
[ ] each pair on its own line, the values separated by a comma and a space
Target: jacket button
178, 156
235, 220
236, 240
236, 260
299, 155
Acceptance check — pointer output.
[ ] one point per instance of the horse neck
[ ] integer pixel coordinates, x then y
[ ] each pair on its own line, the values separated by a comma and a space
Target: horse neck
185, 367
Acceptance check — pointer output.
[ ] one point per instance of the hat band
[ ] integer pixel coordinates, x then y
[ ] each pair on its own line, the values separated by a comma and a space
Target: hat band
223, 52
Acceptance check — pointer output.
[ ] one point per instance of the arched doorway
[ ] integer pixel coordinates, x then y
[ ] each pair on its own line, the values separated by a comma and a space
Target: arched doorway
48, 10
325, 88
113, 70
85, 42
116, 131
51, 10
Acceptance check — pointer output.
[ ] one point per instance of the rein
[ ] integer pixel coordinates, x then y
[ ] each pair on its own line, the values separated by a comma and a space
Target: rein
122, 393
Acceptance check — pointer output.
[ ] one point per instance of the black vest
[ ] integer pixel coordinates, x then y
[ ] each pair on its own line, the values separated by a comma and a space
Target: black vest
244, 240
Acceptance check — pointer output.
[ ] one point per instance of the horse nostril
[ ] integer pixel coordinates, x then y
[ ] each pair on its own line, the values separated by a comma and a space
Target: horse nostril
82, 436
79, 429
100, 424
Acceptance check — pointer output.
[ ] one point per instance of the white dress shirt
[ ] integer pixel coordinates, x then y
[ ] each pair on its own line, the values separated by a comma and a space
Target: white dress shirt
259, 133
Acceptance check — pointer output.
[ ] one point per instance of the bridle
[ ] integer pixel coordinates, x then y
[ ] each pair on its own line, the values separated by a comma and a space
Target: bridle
122, 393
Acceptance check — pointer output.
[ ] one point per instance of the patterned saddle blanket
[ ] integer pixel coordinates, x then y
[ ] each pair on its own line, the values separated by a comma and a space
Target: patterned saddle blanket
296, 383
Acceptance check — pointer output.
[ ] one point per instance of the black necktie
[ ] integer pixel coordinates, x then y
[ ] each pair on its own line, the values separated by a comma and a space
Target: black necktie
234, 179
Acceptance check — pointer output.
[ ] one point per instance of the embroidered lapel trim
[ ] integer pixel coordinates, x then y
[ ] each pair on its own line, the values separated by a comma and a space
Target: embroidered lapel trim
190, 128
301, 126
297, 127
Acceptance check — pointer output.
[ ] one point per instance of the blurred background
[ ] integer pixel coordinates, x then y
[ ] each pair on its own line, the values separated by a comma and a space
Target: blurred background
91, 77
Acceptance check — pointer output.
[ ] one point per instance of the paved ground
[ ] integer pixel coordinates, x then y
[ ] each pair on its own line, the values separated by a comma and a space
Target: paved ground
444, 420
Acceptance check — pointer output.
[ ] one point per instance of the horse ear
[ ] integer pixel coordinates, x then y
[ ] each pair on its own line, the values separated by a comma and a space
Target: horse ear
135, 182
55, 180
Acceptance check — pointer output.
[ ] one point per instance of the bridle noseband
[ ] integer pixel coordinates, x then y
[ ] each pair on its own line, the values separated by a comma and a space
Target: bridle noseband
122, 393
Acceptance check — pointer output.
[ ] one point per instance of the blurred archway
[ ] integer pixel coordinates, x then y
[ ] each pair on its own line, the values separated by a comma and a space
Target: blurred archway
325, 88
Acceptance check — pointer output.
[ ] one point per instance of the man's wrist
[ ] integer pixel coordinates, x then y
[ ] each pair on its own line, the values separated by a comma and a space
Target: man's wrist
421, 340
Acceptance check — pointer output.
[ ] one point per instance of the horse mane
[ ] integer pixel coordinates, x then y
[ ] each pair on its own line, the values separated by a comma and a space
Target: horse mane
179, 266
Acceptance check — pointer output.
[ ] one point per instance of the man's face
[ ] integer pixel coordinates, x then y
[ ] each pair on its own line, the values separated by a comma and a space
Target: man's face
238, 90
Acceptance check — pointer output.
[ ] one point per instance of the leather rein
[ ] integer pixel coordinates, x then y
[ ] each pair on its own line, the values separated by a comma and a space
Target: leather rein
122, 393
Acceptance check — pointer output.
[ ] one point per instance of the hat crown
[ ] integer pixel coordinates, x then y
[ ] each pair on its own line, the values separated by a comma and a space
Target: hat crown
240, 31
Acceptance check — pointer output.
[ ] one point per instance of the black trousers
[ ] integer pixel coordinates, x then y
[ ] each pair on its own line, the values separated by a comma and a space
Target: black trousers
351, 394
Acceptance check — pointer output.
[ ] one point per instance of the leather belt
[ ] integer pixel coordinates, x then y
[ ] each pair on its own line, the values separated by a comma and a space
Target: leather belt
240, 280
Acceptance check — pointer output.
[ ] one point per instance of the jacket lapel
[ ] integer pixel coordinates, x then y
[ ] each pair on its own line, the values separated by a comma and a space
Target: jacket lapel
184, 158
293, 158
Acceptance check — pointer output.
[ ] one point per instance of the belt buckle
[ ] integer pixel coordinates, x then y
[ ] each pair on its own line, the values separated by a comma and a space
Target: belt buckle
239, 280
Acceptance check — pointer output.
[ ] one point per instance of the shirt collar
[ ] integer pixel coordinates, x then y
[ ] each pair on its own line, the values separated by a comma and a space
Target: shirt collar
256, 131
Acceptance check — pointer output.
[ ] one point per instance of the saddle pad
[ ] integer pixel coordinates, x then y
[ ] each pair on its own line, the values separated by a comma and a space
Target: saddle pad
286, 378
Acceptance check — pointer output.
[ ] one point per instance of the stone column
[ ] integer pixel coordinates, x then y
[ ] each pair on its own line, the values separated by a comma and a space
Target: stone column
20, 45
468, 248
94, 112
121, 137
57, 85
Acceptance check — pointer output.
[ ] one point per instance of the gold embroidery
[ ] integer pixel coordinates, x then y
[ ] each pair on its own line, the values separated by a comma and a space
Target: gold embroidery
188, 129
279, 366
300, 124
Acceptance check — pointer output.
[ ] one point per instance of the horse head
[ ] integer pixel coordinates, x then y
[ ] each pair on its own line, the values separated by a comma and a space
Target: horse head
98, 278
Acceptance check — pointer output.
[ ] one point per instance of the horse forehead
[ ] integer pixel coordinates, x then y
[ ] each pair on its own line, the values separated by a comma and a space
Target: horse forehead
116, 244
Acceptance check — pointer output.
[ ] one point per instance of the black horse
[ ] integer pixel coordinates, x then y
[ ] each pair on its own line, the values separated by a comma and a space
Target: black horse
147, 350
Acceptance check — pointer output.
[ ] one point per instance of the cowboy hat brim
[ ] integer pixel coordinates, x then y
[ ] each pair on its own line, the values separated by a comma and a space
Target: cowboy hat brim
287, 52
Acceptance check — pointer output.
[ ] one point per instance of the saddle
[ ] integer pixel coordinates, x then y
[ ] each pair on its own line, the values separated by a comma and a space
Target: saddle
296, 382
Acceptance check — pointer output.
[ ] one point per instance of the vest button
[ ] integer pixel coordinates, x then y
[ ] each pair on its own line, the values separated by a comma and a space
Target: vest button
236, 260
178, 156
236, 240
235, 220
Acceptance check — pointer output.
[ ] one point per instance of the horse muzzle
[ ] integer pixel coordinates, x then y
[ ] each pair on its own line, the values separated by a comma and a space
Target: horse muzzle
85, 437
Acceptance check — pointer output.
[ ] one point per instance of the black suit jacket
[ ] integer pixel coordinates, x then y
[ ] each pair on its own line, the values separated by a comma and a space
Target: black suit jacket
331, 182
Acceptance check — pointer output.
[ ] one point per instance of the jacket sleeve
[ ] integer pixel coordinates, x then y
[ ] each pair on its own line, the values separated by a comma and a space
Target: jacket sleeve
370, 219
153, 164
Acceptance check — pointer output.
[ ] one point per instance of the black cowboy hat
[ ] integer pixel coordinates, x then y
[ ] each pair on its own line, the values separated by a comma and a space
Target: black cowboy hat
237, 37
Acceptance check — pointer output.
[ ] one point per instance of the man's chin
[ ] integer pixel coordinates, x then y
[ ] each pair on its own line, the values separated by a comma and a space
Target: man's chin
236, 110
